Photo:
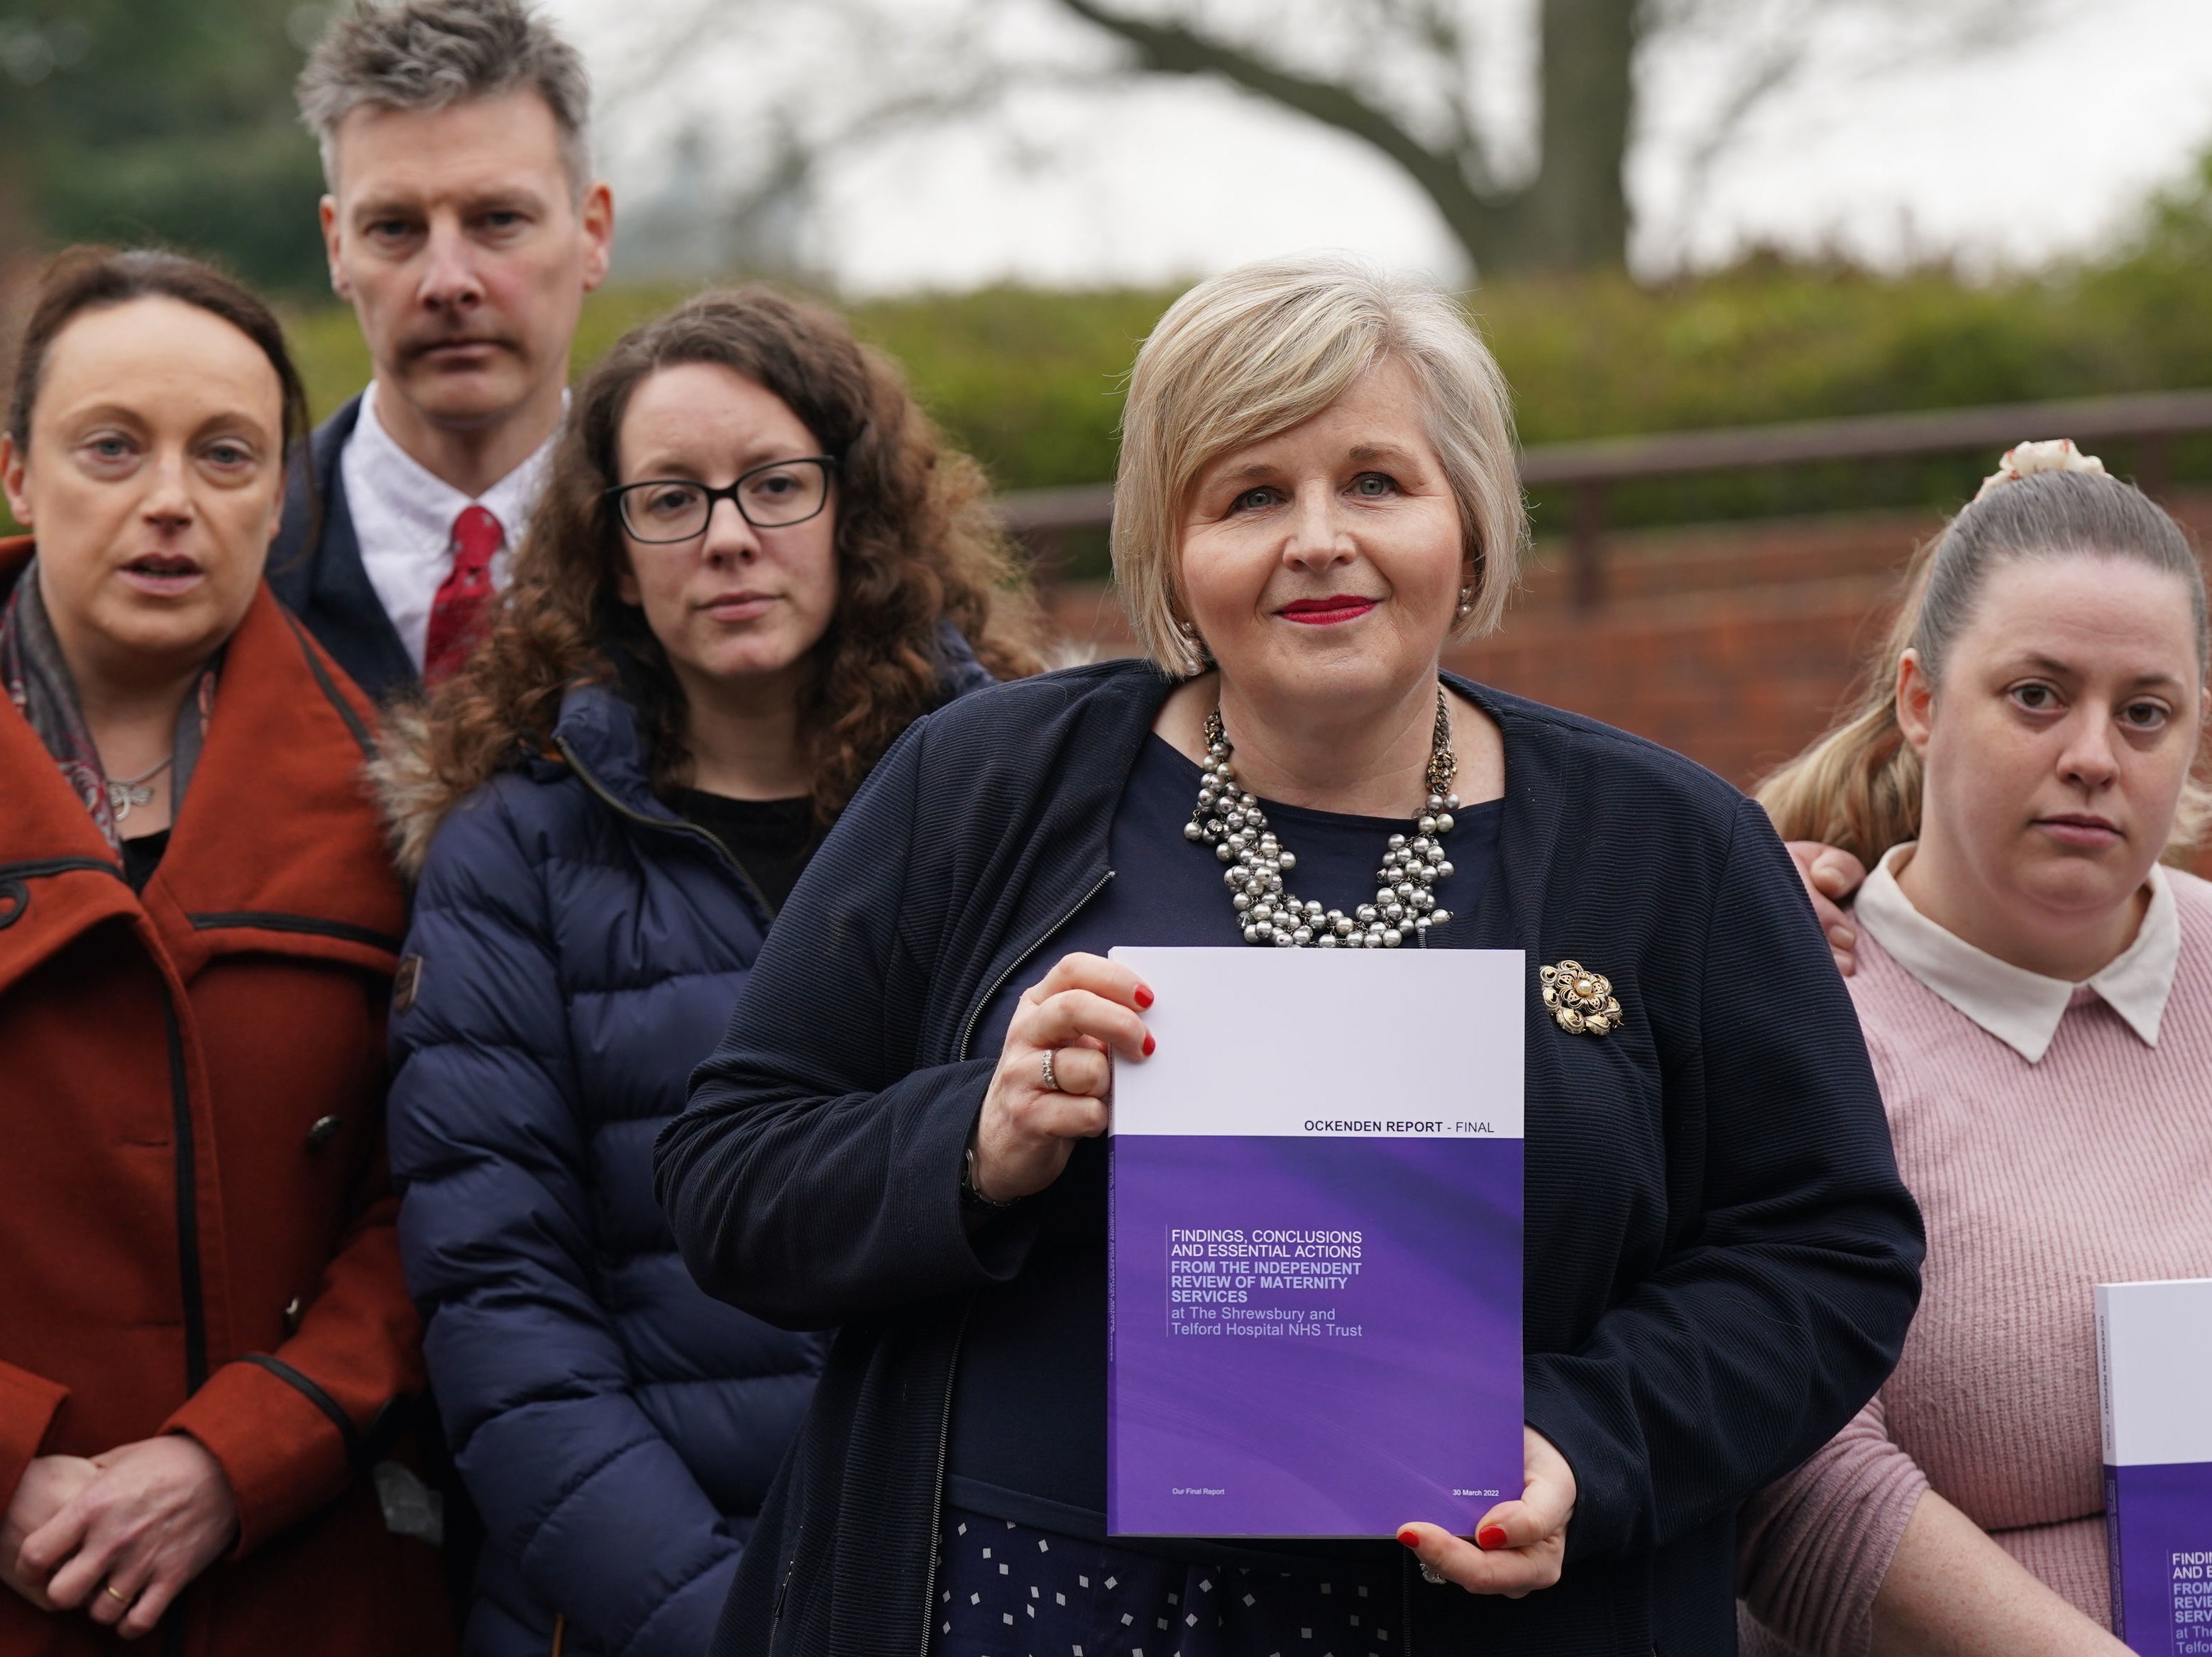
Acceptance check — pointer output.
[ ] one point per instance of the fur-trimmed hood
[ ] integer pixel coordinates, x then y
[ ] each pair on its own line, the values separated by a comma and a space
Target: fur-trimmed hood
596, 738
412, 797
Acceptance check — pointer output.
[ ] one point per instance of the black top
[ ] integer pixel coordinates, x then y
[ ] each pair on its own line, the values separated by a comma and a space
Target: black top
1720, 1260
770, 838
142, 856
1029, 1411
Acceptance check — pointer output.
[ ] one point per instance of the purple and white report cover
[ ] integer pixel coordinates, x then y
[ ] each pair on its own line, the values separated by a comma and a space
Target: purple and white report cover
2154, 1367
1316, 1247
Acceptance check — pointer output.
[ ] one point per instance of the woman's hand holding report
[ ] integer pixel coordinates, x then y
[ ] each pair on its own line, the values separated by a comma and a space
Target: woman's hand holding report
1519, 1546
1077, 1017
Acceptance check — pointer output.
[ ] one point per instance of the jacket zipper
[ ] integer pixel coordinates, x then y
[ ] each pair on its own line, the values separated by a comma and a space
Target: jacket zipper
783, 1589
967, 1030
944, 1452
675, 826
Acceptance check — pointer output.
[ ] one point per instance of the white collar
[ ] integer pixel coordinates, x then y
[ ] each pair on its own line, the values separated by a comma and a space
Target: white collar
2023, 1009
420, 505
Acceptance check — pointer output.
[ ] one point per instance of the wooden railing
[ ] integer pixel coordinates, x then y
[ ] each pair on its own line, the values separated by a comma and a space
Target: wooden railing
1587, 470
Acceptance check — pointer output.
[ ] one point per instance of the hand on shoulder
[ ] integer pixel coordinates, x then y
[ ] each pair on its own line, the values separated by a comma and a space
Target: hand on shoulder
1832, 875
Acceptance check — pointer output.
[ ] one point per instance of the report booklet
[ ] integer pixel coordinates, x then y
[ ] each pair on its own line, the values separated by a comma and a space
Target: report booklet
1315, 1248
2155, 1367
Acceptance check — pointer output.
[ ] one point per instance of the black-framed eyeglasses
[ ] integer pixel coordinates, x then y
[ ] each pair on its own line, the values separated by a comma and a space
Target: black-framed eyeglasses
771, 497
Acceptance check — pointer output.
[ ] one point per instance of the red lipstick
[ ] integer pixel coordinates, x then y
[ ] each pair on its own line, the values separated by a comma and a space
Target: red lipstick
1327, 612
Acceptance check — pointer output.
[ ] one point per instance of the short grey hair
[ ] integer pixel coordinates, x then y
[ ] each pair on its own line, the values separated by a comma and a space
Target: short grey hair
1259, 348
426, 54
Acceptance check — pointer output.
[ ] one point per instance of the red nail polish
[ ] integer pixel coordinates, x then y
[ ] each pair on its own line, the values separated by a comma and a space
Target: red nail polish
1144, 996
1411, 1539
1490, 1537
1149, 1045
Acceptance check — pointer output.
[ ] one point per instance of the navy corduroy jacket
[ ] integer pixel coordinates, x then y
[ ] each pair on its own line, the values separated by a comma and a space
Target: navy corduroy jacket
577, 949
1721, 1261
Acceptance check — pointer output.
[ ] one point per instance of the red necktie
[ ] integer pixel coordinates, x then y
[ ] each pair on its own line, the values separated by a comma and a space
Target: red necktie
461, 611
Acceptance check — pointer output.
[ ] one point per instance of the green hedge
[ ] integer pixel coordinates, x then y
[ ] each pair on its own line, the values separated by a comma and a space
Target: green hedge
1030, 380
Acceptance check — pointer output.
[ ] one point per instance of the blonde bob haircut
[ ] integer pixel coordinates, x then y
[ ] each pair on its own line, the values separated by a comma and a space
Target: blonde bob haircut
1259, 350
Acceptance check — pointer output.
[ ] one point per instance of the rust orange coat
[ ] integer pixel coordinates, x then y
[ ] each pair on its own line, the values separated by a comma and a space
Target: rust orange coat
196, 1226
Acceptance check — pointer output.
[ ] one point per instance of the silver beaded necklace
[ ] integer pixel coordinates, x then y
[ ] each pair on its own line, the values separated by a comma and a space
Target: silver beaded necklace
1231, 821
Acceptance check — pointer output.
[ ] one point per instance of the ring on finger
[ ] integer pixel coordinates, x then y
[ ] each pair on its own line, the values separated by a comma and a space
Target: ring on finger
110, 1590
1051, 1082
1430, 1575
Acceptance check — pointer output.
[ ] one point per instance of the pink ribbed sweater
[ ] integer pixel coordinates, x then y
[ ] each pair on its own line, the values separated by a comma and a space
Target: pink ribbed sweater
2038, 1181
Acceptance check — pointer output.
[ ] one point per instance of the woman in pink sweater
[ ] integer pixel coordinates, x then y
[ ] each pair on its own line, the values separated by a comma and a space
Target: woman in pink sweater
2037, 995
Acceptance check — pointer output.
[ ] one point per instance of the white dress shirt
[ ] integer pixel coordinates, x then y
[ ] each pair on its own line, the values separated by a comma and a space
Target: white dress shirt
2023, 1009
403, 518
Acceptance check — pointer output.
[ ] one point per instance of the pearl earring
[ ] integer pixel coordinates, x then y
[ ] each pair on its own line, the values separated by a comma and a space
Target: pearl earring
1466, 599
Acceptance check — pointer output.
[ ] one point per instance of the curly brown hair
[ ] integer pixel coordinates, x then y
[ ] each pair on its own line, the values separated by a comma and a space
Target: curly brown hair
916, 543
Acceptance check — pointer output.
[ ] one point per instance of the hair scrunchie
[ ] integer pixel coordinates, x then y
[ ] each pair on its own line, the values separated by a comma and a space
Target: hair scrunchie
2058, 454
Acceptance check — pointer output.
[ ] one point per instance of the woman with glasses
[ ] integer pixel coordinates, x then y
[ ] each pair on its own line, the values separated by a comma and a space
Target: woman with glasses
753, 567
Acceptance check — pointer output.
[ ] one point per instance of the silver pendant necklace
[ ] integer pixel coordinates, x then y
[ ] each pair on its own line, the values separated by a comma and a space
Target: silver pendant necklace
1231, 821
123, 792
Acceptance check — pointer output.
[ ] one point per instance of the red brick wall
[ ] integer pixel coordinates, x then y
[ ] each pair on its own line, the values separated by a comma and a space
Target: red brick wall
1733, 645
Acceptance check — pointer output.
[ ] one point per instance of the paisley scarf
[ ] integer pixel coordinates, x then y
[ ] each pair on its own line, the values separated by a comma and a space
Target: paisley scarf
38, 682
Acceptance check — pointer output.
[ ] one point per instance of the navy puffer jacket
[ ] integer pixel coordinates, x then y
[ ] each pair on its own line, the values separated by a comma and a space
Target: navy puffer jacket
579, 948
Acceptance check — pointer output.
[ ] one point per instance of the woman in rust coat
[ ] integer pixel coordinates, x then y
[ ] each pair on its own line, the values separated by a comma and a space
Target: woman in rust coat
204, 1337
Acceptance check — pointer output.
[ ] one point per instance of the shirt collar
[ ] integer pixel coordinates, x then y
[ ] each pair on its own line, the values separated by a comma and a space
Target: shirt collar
2020, 1008
422, 504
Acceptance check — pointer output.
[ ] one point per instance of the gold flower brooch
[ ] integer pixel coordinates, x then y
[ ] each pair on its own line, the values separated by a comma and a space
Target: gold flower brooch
1580, 1001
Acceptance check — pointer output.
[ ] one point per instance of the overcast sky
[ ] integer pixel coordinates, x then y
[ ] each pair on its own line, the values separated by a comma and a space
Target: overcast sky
2007, 156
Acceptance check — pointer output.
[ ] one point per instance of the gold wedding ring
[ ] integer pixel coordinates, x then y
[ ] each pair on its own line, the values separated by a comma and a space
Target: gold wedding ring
108, 1588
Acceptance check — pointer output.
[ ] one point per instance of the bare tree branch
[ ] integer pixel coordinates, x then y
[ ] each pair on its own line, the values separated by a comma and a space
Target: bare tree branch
1782, 44
1437, 25
1766, 76
1398, 76
1171, 49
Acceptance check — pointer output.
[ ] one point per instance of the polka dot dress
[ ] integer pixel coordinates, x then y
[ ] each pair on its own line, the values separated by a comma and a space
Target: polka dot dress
1005, 1590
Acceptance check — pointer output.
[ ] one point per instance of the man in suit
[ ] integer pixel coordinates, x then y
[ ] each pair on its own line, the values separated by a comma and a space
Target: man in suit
464, 225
